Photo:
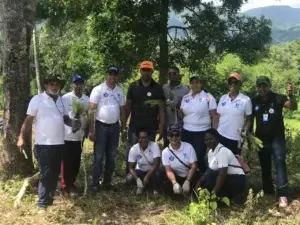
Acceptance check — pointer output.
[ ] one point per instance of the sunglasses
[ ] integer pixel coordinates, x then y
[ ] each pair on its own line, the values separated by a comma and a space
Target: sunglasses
174, 134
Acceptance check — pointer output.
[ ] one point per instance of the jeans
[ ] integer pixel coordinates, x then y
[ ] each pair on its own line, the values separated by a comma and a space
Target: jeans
196, 139
132, 139
154, 180
49, 158
106, 143
71, 162
277, 149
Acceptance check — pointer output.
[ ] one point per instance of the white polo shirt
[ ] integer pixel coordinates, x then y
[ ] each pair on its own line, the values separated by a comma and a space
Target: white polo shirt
196, 111
223, 157
68, 99
136, 156
186, 154
108, 103
49, 121
232, 115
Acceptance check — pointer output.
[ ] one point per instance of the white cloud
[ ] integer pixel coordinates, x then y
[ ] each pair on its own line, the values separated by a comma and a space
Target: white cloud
261, 3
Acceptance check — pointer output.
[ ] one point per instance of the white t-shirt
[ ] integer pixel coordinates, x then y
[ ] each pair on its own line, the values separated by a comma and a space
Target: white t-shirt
108, 103
49, 116
223, 157
186, 154
232, 115
196, 111
136, 156
68, 99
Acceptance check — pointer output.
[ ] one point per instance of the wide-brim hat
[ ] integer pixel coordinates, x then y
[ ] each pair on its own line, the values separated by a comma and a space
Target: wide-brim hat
55, 78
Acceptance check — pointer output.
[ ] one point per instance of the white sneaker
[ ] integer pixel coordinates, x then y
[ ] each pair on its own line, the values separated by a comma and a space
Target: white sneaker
155, 193
283, 202
139, 191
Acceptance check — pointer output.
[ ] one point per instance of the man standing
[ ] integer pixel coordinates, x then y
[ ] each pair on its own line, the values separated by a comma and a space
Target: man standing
267, 110
73, 138
108, 101
143, 115
174, 92
49, 112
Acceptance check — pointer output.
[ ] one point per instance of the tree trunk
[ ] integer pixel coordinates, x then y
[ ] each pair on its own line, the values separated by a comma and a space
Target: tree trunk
36, 61
163, 42
18, 18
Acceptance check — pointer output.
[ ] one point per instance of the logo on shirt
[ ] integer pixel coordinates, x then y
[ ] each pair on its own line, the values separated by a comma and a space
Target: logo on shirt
105, 95
119, 95
171, 158
187, 100
256, 108
139, 156
223, 103
149, 94
237, 105
271, 111
185, 155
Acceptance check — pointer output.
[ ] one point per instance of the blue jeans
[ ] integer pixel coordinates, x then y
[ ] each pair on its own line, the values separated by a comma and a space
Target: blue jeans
277, 149
49, 160
106, 143
132, 139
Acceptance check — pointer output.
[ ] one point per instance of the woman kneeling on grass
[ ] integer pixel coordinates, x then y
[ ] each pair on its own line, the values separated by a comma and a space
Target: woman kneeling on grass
146, 156
180, 162
225, 176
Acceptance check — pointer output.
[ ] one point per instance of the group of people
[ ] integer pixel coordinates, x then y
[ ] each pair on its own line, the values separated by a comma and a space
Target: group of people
202, 139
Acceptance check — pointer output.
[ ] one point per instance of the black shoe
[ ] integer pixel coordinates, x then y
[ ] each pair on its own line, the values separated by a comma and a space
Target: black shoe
95, 189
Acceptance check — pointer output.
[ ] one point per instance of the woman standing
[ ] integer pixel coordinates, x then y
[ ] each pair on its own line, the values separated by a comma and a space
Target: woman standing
234, 111
198, 109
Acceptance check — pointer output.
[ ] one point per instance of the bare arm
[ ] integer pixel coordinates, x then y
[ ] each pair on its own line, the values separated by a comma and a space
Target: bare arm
123, 117
248, 123
155, 166
92, 109
131, 170
220, 179
192, 171
67, 120
170, 174
26, 127
214, 118
161, 111
128, 106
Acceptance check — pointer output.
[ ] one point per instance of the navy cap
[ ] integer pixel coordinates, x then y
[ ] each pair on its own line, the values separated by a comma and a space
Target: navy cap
113, 69
77, 77
174, 127
263, 80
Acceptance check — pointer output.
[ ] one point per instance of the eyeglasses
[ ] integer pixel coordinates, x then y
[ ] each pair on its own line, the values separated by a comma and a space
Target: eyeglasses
174, 134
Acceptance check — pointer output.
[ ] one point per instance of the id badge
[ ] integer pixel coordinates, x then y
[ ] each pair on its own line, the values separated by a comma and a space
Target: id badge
265, 117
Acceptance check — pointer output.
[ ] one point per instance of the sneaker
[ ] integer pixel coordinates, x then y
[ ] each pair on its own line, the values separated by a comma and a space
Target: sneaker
139, 191
283, 202
155, 193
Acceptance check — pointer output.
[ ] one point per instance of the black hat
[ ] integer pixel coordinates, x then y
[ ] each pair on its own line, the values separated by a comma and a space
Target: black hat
263, 80
174, 127
55, 78
113, 69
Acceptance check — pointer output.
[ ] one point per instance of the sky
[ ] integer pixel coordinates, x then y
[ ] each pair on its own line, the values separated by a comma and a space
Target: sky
261, 3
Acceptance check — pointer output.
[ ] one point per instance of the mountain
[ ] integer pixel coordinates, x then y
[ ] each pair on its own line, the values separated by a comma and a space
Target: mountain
285, 21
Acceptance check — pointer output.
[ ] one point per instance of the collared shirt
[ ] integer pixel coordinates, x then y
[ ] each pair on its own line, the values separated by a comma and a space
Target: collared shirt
142, 114
197, 111
108, 103
268, 116
222, 157
68, 99
232, 115
49, 119
136, 156
178, 92
186, 154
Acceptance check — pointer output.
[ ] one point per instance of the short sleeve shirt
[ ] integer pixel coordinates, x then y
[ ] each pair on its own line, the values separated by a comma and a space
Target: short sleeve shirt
232, 115
142, 163
268, 116
108, 103
144, 115
186, 154
68, 99
197, 111
176, 94
49, 119
222, 157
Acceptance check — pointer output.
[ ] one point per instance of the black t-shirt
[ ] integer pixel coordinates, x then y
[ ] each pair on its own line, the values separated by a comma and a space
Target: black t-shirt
268, 115
144, 115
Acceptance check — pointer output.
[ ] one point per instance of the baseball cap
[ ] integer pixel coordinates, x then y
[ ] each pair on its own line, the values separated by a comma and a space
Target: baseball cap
76, 78
235, 76
173, 127
146, 65
196, 77
263, 80
113, 69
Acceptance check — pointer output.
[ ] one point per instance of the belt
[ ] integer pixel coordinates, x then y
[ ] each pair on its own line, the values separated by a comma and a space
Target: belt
106, 124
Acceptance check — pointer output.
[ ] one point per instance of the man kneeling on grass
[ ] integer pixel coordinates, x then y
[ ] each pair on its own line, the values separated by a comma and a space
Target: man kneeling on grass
146, 156
180, 162
50, 115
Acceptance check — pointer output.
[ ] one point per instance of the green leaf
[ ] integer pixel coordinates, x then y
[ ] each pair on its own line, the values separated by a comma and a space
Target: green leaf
213, 205
226, 201
193, 208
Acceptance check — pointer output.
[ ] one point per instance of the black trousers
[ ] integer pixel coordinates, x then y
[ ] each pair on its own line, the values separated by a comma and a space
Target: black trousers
71, 161
230, 144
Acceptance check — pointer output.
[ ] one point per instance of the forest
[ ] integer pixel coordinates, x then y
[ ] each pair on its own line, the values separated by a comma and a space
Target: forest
65, 37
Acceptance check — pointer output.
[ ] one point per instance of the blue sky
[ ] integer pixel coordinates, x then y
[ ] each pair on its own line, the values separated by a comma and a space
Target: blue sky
261, 3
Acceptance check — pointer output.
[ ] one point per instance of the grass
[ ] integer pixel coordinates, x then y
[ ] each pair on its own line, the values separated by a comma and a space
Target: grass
123, 207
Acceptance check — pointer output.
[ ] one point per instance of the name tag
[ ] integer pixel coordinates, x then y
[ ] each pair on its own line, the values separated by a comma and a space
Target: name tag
265, 117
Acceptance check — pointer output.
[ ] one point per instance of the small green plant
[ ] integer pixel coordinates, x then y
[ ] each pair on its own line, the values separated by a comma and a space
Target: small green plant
78, 108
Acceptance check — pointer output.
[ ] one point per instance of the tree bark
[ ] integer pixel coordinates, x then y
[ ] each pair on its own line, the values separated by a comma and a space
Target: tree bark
18, 19
163, 42
36, 61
